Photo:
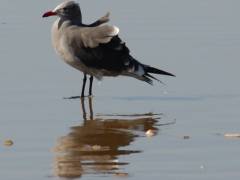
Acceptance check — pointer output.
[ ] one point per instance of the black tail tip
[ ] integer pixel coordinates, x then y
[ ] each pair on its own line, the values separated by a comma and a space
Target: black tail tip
164, 73
153, 70
170, 74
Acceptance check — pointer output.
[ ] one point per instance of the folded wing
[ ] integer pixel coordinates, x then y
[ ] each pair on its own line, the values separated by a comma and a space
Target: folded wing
91, 37
100, 47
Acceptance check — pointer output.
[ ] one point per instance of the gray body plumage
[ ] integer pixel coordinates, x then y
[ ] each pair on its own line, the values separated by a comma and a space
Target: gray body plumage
70, 40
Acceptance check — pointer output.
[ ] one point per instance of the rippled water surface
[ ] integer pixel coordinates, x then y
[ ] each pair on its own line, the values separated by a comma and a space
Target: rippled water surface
182, 129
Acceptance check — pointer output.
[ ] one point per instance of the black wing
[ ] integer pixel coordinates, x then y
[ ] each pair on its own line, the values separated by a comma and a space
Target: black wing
112, 56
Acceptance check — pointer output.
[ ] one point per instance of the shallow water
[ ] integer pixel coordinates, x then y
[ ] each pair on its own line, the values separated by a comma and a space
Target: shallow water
105, 136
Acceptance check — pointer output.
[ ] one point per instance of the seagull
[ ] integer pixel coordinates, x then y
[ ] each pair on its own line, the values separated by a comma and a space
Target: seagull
95, 49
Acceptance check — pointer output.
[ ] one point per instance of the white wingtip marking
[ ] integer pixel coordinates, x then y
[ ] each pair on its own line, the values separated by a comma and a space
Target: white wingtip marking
115, 30
140, 71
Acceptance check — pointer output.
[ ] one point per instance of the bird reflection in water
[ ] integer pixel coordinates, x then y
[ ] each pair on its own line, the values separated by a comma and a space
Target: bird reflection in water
95, 147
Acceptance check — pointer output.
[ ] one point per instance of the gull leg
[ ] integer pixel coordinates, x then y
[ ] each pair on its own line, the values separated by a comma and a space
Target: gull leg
90, 85
84, 84
83, 88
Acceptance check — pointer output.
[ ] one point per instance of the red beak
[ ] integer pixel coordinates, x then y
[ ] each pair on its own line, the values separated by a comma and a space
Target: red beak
49, 13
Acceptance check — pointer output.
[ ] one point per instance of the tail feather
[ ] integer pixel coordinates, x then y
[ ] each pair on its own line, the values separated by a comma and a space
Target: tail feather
142, 71
150, 76
147, 79
153, 70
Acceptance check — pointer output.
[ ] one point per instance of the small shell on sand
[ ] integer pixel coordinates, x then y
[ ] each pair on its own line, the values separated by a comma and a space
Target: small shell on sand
232, 135
151, 133
8, 142
96, 148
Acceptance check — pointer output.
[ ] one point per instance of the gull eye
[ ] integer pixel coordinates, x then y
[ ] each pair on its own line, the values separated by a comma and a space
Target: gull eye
65, 9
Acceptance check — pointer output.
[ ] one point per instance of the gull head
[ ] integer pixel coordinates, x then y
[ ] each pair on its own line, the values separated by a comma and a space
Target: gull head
67, 9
